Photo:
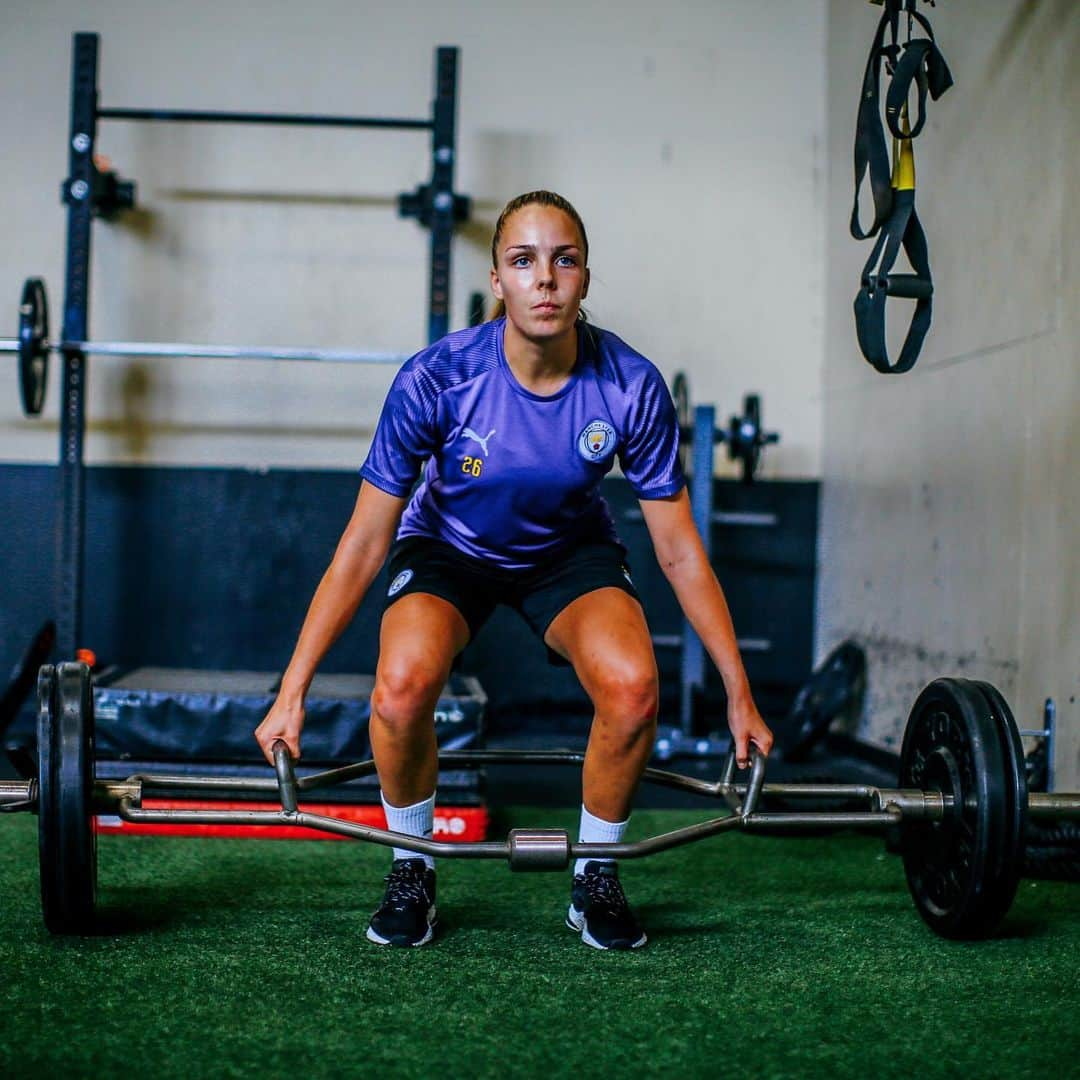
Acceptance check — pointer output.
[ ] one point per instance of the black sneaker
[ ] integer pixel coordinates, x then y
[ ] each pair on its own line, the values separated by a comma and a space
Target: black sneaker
407, 913
598, 908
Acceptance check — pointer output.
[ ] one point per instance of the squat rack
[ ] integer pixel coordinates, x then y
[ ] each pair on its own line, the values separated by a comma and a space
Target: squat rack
88, 192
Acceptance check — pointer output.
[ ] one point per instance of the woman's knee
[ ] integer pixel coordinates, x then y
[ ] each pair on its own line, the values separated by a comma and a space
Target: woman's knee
627, 700
406, 692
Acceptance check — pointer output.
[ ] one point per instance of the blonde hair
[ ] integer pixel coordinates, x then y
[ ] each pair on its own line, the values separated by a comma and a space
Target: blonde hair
534, 198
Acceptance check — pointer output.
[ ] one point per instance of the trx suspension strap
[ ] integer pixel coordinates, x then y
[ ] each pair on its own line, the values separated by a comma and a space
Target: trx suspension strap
895, 223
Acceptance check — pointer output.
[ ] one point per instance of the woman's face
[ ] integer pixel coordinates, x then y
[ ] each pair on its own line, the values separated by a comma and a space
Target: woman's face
540, 275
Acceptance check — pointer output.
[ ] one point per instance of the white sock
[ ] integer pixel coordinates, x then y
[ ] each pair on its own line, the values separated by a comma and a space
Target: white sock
415, 820
595, 830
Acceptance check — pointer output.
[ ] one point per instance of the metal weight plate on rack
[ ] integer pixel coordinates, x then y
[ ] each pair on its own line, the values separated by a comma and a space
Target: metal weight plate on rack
33, 346
961, 870
745, 437
67, 846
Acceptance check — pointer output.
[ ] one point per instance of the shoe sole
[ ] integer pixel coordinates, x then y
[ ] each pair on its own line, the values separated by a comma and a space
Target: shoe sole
575, 920
401, 940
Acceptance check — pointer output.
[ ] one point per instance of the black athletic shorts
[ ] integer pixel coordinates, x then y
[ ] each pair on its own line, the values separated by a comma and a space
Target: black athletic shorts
421, 565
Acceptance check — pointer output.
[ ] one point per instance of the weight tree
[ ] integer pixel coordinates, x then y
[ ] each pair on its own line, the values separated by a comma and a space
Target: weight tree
89, 193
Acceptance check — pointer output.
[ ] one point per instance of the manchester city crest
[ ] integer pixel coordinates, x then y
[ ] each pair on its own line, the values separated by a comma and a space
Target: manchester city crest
399, 582
596, 441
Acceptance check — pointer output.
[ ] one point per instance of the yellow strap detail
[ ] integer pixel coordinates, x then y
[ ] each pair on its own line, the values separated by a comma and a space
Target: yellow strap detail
903, 156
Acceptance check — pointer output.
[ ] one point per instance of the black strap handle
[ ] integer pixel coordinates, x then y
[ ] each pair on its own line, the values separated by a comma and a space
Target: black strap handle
902, 230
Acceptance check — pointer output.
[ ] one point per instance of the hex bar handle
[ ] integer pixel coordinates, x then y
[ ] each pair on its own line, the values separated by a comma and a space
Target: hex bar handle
753, 788
286, 776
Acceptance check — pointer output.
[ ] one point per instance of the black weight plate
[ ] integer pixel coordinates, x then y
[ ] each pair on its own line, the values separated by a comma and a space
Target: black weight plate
680, 394
956, 870
1015, 777
745, 440
835, 689
67, 846
33, 346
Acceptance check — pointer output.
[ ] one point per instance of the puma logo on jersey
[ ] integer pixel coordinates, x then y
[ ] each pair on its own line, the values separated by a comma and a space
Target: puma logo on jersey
481, 439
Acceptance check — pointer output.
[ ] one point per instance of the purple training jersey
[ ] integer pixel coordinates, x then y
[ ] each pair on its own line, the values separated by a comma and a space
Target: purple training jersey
512, 477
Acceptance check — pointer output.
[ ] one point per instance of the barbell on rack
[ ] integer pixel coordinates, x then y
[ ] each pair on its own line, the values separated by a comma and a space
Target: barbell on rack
745, 436
961, 805
33, 348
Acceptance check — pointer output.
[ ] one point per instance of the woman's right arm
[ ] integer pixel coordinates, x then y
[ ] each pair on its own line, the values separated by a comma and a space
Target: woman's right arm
359, 557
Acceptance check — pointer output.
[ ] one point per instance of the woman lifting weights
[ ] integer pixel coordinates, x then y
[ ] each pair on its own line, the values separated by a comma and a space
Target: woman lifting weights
513, 424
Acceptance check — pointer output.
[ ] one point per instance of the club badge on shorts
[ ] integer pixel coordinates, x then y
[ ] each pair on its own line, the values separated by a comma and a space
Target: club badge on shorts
596, 441
399, 582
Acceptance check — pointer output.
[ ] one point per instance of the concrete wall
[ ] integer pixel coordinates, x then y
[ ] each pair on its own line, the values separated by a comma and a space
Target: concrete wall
689, 135
950, 517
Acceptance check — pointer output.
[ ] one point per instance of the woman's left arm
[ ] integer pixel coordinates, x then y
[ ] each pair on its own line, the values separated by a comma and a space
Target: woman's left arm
682, 558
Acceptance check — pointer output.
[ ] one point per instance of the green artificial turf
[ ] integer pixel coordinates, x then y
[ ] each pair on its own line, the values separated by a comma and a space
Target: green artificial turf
768, 957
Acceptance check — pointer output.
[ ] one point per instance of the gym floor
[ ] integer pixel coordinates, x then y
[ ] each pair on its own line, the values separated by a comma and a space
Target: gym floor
768, 956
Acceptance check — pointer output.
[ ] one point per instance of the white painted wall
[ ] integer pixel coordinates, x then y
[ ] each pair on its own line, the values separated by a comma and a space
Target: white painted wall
689, 135
950, 540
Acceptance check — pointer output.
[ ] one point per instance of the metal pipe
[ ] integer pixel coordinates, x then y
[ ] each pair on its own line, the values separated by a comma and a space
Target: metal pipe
210, 116
725, 517
314, 781
15, 791
870, 820
340, 775
504, 850
320, 822
663, 842
1061, 804
229, 352
243, 784
250, 784
746, 645
213, 352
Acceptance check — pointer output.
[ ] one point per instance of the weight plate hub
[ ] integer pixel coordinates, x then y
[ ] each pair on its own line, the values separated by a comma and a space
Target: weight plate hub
963, 870
33, 346
745, 437
67, 846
